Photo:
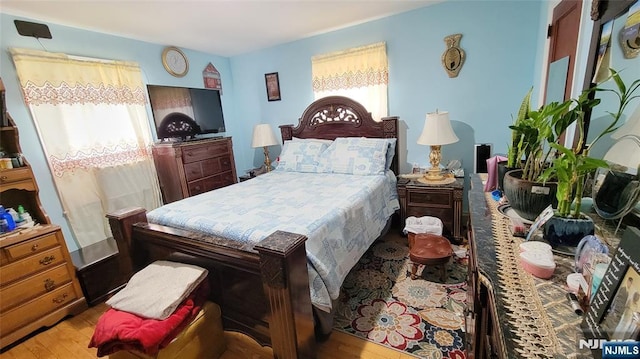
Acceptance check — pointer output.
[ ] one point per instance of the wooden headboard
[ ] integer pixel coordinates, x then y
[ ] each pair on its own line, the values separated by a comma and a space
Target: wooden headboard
338, 116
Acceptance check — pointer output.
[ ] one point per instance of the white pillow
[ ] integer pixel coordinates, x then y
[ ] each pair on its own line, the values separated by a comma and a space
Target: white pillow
296, 139
355, 155
300, 156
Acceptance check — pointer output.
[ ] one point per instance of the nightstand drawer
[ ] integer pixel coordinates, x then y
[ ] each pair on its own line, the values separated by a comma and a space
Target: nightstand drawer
429, 199
445, 214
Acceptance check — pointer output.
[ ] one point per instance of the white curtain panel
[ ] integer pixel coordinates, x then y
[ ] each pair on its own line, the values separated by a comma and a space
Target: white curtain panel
359, 73
92, 121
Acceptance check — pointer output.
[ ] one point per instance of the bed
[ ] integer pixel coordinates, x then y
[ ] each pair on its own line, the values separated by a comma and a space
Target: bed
277, 260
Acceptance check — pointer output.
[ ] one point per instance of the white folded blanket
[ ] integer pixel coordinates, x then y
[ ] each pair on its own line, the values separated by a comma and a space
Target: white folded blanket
156, 291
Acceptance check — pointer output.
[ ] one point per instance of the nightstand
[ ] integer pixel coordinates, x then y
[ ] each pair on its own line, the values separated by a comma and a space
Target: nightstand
442, 201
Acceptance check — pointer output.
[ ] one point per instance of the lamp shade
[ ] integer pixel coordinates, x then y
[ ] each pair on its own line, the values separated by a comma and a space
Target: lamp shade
263, 136
437, 130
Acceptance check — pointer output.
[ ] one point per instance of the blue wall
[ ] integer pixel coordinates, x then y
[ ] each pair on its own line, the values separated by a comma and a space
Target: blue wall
501, 44
501, 40
91, 44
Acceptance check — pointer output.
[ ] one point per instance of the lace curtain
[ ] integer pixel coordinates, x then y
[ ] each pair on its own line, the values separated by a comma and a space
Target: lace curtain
359, 73
92, 121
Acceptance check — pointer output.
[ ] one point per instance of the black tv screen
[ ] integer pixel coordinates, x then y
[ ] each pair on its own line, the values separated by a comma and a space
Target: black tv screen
181, 112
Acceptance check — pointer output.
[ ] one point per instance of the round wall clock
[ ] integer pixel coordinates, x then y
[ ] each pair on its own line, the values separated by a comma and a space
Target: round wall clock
175, 61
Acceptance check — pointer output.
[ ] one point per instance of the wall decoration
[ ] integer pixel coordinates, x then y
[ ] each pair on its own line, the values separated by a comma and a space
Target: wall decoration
273, 86
603, 61
175, 61
630, 34
211, 78
453, 56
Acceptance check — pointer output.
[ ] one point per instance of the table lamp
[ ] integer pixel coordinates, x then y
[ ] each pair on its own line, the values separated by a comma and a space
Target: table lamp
437, 131
263, 137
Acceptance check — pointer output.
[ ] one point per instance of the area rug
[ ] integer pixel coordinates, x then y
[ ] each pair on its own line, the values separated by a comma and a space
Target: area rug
381, 303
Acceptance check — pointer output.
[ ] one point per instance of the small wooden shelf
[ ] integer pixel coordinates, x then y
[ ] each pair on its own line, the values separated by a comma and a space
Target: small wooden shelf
39, 286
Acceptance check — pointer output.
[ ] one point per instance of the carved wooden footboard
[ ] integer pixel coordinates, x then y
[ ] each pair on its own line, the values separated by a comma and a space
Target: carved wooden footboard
263, 291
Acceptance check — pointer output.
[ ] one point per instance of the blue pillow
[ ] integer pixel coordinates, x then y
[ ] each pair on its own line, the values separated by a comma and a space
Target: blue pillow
355, 155
300, 156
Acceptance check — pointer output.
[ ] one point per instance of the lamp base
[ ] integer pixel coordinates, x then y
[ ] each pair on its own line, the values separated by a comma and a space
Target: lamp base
435, 176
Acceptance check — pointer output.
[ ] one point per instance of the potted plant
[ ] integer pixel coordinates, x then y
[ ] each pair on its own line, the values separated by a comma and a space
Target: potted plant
571, 166
529, 154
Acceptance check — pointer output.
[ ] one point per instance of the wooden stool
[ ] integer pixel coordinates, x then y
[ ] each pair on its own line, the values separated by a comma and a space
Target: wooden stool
429, 249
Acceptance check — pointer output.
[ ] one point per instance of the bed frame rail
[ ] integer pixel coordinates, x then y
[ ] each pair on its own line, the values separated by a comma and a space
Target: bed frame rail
278, 266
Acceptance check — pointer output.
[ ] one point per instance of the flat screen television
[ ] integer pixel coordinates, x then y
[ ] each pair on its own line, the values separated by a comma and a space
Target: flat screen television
184, 113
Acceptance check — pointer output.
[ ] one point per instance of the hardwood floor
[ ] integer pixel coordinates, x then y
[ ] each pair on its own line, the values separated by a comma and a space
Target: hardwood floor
69, 338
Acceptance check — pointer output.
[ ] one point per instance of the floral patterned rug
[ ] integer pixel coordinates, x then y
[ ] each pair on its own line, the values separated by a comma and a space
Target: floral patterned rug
381, 303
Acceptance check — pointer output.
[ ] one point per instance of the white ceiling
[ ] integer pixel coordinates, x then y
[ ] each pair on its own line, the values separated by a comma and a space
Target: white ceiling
220, 27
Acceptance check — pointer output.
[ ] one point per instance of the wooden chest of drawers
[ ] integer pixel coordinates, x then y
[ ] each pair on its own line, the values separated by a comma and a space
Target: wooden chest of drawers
38, 285
189, 168
443, 201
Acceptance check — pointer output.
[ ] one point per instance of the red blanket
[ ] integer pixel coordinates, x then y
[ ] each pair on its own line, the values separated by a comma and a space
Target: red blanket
117, 330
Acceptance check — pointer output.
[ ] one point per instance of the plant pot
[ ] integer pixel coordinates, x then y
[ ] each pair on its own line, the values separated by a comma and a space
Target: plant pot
502, 170
528, 198
560, 231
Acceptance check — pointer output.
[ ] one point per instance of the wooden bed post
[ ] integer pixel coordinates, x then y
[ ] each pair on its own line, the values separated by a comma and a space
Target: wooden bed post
121, 223
285, 278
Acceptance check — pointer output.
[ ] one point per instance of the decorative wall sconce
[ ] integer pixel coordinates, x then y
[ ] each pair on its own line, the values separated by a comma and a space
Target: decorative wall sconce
453, 56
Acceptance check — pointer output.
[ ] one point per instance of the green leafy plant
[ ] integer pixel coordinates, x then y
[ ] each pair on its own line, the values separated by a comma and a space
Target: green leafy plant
532, 133
570, 166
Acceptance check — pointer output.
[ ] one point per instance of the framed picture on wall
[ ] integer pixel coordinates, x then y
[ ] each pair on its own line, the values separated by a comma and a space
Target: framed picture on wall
273, 86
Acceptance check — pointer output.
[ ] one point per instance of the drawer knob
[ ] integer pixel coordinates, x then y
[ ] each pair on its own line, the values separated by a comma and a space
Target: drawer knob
4, 178
47, 260
49, 284
59, 299
34, 247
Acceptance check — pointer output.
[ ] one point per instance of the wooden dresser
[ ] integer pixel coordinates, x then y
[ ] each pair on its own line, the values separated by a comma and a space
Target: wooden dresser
189, 168
38, 284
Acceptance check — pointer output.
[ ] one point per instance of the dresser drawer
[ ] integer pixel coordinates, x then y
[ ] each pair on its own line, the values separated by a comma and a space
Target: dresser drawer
30, 247
193, 171
429, 199
29, 265
36, 308
203, 152
196, 170
215, 166
33, 287
211, 183
14, 175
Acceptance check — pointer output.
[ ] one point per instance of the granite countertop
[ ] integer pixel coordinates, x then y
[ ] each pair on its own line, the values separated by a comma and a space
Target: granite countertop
535, 319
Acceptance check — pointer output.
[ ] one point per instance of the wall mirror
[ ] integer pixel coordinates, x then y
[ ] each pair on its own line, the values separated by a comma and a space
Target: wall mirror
616, 189
609, 22
609, 17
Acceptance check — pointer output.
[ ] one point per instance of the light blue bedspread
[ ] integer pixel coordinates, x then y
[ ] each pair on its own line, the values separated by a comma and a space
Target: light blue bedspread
340, 214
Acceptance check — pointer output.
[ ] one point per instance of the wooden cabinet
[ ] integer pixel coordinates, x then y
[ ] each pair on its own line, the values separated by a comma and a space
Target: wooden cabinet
189, 168
38, 284
443, 201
